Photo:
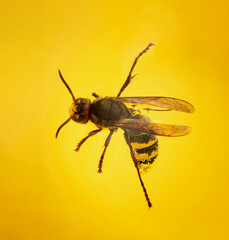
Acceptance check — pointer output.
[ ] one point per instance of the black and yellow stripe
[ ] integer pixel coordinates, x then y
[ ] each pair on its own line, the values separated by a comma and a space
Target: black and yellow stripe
145, 147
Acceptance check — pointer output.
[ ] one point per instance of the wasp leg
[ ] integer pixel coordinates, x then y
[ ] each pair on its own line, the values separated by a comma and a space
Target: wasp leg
129, 77
95, 95
92, 133
139, 176
105, 147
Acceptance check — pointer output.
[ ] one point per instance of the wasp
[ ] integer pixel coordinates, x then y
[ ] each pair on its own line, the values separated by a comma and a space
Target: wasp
139, 131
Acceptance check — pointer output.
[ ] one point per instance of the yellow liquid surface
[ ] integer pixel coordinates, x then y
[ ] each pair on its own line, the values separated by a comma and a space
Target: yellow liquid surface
50, 192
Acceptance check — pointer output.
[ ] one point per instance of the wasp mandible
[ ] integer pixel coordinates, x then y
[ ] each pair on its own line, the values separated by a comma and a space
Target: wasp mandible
139, 131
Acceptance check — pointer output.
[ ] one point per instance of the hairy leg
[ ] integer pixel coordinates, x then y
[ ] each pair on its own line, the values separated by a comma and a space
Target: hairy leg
129, 77
139, 176
92, 133
105, 147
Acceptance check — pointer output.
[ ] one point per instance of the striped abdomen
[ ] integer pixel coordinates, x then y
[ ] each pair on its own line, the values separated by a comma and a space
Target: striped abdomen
145, 147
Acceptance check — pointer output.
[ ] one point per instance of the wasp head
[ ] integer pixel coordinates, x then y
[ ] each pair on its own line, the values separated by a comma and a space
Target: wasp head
79, 110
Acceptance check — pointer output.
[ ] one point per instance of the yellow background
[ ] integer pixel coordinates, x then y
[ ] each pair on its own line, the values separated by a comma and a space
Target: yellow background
48, 191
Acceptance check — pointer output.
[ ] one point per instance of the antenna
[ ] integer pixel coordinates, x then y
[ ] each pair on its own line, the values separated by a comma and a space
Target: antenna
57, 132
69, 89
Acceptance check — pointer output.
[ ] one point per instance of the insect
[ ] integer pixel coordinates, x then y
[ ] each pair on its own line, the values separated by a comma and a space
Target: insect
139, 131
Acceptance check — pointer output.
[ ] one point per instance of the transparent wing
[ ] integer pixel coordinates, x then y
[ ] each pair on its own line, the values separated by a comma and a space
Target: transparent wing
159, 129
163, 102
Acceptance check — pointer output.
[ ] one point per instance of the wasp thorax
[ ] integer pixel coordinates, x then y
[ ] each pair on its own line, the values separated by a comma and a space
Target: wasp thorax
79, 110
